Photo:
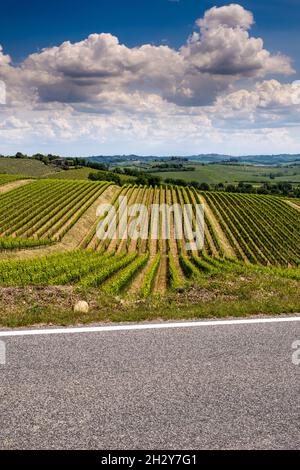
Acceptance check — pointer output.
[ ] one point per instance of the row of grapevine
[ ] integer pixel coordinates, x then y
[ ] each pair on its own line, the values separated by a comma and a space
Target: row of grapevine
212, 243
43, 211
158, 248
113, 272
174, 279
91, 241
120, 280
260, 229
42, 270
279, 239
263, 229
105, 271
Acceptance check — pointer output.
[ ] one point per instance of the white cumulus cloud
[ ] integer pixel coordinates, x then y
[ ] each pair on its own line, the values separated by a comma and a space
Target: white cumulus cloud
101, 90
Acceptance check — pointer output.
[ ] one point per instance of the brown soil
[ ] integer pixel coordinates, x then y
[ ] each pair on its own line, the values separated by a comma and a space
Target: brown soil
27, 299
137, 283
160, 283
5, 188
12, 297
197, 294
32, 299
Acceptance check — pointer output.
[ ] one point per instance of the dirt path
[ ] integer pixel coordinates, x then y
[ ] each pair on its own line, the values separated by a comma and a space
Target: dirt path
5, 188
173, 241
73, 238
160, 283
137, 283
228, 250
144, 243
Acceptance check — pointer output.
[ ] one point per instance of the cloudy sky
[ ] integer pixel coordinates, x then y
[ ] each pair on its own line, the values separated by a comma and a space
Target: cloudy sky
150, 77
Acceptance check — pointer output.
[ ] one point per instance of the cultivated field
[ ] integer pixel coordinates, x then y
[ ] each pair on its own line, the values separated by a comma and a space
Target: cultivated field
27, 167
224, 173
83, 174
42, 212
243, 233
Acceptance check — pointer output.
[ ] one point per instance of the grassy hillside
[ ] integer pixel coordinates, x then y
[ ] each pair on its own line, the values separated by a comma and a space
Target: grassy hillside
26, 167
77, 174
211, 174
83, 174
36, 169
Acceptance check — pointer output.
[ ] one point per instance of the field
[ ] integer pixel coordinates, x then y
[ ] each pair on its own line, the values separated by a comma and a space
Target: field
42, 212
26, 167
83, 174
204, 173
218, 173
246, 237
30, 168
4, 179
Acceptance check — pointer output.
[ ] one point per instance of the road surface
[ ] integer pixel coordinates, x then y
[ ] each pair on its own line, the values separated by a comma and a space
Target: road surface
227, 386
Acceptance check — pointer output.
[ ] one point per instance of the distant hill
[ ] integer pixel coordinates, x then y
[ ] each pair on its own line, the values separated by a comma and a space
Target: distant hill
281, 159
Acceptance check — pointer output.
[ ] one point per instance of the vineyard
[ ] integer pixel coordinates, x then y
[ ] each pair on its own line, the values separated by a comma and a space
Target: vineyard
249, 233
260, 229
42, 212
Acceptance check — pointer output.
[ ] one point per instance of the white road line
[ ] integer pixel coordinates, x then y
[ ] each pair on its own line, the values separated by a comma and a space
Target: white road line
143, 326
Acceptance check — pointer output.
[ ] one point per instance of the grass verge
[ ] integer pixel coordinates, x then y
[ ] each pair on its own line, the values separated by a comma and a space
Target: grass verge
220, 295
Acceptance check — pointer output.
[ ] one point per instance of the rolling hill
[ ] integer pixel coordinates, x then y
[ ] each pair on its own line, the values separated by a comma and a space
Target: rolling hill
252, 230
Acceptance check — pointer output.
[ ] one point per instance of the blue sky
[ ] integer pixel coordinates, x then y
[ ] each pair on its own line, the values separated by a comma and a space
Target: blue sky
26, 27
125, 113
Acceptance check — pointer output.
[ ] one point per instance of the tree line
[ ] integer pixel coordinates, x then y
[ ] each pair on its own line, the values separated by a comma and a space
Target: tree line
279, 189
105, 174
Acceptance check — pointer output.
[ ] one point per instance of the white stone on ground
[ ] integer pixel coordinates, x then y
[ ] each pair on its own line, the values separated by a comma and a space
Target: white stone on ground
81, 307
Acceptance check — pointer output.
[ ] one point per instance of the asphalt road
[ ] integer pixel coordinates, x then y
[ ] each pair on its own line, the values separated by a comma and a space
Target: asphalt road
212, 387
